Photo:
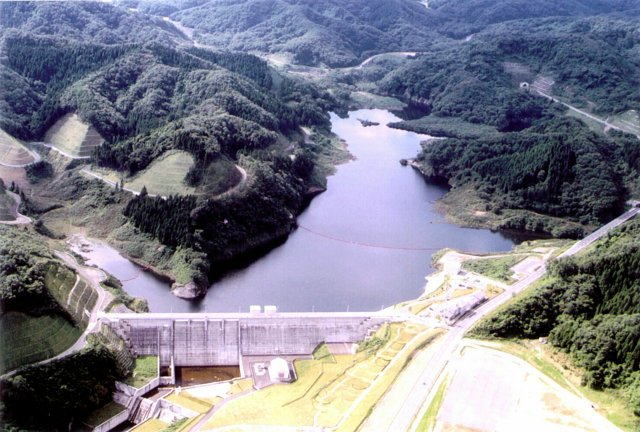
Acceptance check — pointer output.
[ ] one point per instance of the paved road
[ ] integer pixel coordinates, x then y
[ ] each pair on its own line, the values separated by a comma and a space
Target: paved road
605, 123
370, 59
62, 152
417, 397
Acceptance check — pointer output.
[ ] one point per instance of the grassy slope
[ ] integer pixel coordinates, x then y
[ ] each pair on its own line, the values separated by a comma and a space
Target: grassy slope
495, 268
428, 421
25, 339
61, 281
12, 152
72, 136
220, 176
103, 414
165, 176
151, 425
144, 370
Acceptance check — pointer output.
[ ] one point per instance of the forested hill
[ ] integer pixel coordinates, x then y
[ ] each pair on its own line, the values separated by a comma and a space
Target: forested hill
339, 33
588, 58
94, 22
594, 62
589, 307
558, 168
148, 95
463, 17
331, 32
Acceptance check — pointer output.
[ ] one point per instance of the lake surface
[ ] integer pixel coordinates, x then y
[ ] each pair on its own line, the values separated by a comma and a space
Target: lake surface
364, 244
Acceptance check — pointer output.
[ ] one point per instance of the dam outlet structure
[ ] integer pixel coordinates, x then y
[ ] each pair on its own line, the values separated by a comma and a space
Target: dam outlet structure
224, 339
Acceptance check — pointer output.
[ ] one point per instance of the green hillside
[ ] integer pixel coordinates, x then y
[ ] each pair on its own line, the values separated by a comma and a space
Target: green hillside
44, 304
154, 95
331, 32
7, 205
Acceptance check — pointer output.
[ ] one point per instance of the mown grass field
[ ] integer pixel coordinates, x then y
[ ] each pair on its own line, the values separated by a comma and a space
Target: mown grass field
165, 176
151, 425
495, 268
12, 151
73, 136
329, 385
25, 339
188, 401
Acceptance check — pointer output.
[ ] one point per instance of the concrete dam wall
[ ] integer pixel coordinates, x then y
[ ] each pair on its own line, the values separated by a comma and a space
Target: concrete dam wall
222, 339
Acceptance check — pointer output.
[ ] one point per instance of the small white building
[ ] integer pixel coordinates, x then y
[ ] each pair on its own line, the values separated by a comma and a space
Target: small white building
279, 370
451, 310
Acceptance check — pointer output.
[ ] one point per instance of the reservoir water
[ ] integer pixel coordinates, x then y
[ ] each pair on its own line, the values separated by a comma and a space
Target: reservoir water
364, 244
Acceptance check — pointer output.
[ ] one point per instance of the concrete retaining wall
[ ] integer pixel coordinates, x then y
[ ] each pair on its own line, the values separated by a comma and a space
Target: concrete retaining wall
221, 339
114, 421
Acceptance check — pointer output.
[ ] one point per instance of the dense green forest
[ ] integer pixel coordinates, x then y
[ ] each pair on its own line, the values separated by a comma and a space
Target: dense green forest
34, 326
95, 22
147, 96
463, 17
522, 152
594, 62
331, 32
64, 391
23, 265
557, 168
589, 306
228, 226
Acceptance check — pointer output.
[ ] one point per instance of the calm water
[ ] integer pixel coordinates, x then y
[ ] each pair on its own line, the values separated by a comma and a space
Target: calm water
363, 244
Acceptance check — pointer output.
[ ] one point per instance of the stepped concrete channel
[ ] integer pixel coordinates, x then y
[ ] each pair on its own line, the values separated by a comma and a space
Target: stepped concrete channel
222, 339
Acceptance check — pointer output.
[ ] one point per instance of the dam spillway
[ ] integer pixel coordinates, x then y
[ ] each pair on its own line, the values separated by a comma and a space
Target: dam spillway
222, 339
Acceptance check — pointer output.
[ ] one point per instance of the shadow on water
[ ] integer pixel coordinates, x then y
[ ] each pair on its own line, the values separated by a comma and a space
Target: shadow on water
223, 268
412, 111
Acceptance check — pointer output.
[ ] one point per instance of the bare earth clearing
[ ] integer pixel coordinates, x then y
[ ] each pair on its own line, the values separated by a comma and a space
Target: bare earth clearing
503, 393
